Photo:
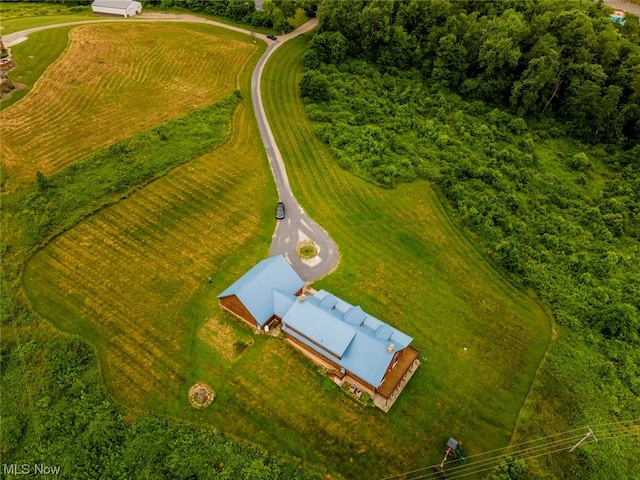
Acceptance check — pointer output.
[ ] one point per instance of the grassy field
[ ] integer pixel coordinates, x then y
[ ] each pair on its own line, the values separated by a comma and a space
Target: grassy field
13, 10
113, 81
33, 58
404, 261
122, 278
16, 16
132, 279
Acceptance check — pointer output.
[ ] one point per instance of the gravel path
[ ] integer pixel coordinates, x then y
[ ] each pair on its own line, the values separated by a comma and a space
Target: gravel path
297, 225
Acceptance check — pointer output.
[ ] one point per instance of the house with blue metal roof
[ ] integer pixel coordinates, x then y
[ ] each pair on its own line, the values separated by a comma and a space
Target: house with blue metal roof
264, 294
353, 346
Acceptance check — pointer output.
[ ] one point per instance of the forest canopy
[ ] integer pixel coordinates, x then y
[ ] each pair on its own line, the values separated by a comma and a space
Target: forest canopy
533, 57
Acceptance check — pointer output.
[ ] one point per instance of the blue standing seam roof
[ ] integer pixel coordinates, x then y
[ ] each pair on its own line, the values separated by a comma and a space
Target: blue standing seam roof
255, 288
319, 326
368, 348
282, 302
358, 342
355, 316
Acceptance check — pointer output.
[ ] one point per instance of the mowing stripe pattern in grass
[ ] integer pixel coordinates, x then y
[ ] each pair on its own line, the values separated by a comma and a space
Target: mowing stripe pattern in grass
57, 202
113, 81
122, 277
404, 261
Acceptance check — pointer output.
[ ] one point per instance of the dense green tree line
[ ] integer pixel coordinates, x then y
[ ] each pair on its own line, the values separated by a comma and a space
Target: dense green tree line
557, 223
274, 13
535, 57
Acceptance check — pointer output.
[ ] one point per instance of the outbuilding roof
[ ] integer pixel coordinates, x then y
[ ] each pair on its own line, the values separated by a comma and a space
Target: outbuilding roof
255, 289
355, 340
120, 4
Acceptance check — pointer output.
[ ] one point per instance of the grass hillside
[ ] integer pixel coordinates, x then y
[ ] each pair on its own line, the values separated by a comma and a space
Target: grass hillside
122, 278
132, 280
404, 261
32, 64
115, 80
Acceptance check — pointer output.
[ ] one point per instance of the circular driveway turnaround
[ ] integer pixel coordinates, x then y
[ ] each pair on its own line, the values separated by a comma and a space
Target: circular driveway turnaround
297, 226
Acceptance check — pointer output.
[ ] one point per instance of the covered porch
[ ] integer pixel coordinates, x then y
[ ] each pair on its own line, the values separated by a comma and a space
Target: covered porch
395, 380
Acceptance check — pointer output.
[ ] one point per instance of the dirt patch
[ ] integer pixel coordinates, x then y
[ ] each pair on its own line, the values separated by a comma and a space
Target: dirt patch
201, 395
223, 339
7, 95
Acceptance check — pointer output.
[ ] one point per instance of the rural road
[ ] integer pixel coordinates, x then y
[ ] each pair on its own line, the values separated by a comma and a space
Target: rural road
297, 225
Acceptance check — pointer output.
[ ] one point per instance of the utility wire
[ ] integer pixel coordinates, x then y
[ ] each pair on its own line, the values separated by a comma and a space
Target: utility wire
491, 463
531, 452
528, 452
473, 468
569, 440
535, 456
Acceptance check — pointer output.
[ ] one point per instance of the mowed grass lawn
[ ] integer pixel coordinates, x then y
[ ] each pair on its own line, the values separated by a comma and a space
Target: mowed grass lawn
132, 279
115, 80
405, 262
33, 58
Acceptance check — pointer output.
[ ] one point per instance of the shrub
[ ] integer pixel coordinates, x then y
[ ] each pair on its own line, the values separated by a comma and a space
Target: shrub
580, 162
314, 86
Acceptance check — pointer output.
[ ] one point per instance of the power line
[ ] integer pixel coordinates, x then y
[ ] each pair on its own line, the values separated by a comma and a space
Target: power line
484, 453
621, 429
528, 457
490, 463
522, 454
570, 440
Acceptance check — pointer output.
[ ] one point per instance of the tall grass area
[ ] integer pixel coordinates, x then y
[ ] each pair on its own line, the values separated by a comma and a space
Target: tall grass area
57, 202
406, 262
16, 16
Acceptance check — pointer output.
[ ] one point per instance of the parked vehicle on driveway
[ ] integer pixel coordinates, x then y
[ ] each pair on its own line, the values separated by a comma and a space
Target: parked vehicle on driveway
272, 37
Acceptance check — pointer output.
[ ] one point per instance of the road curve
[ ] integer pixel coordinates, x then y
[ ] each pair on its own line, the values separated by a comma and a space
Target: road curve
297, 226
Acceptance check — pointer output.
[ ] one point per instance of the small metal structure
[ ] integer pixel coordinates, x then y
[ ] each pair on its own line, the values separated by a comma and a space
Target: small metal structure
451, 451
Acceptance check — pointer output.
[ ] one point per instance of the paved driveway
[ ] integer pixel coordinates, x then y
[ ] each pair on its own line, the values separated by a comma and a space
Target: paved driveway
297, 225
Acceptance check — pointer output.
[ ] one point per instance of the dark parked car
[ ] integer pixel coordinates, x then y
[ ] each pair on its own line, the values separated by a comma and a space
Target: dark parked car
280, 211
272, 37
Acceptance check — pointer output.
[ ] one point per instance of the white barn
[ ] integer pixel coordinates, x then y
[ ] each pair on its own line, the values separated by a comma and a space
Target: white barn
126, 8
